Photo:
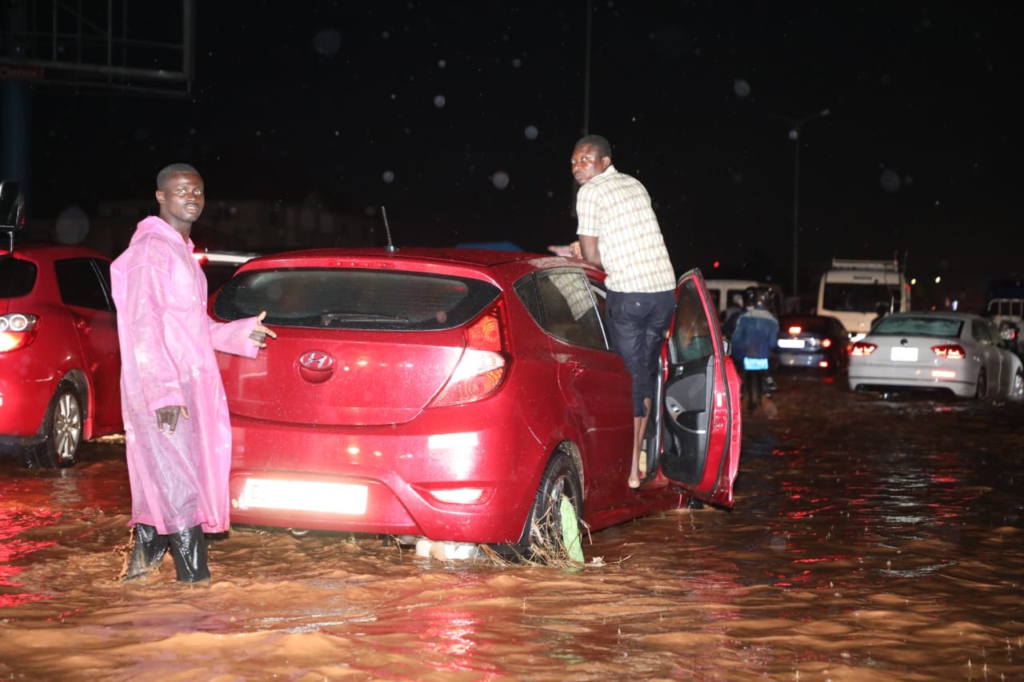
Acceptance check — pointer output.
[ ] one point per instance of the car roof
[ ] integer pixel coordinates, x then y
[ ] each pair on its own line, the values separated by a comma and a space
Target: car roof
939, 314
483, 258
48, 250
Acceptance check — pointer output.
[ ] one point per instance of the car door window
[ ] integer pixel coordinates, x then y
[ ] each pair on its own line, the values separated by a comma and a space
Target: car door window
691, 337
81, 284
980, 333
561, 302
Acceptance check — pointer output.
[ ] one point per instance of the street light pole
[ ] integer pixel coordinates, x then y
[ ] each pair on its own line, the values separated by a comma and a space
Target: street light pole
794, 134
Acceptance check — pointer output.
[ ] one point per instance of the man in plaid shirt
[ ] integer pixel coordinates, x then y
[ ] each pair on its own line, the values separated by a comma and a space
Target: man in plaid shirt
619, 232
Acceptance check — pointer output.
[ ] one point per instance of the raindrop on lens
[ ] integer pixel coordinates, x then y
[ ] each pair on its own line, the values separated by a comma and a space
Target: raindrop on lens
441, 63
72, 226
388, 177
531, 132
327, 42
500, 179
890, 180
793, 134
741, 88
439, 101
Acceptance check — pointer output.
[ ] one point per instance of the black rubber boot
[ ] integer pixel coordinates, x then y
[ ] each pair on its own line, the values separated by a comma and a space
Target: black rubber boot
147, 552
190, 555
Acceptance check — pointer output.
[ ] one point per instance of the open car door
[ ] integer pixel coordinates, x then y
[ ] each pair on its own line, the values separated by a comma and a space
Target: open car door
700, 401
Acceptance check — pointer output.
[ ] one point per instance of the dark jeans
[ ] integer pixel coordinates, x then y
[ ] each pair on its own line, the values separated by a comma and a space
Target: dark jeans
637, 324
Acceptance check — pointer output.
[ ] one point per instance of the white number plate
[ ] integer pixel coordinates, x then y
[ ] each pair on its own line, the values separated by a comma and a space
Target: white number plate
791, 343
332, 498
901, 354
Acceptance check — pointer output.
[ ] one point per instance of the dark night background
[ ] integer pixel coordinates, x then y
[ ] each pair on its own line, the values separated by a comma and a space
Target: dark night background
460, 118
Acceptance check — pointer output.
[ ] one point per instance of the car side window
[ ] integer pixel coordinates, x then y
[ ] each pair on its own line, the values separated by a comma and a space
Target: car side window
561, 302
81, 284
979, 332
691, 336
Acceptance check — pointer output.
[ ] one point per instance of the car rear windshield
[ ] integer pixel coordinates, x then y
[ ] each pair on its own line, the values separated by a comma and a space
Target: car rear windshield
17, 277
813, 325
341, 298
919, 326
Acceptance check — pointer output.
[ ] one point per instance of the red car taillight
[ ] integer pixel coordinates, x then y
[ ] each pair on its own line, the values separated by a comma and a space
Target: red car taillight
483, 365
17, 330
862, 349
951, 351
825, 343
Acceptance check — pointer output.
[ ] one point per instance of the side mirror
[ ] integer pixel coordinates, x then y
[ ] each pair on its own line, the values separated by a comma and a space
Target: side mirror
12, 206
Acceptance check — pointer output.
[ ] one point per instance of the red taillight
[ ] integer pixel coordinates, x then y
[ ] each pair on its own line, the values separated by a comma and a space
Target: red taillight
825, 343
483, 365
794, 330
17, 330
951, 351
862, 349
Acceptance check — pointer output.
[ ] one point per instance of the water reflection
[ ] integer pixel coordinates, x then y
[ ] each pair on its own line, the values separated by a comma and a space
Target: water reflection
870, 540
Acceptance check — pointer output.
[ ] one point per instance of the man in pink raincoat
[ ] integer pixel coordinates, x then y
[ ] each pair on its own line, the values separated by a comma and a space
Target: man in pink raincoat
176, 422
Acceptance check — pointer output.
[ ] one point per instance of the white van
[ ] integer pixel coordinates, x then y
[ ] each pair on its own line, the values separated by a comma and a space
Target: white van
854, 291
724, 293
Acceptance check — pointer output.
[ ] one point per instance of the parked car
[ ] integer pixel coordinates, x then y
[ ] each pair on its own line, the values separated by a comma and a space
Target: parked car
958, 353
454, 397
59, 357
813, 341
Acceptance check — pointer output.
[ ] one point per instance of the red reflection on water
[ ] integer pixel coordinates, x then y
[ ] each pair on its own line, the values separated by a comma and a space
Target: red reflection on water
14, 520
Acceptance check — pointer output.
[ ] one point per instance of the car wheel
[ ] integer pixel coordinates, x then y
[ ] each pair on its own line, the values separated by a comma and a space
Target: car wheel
62, 430
981, 386
543, 537
1017, 388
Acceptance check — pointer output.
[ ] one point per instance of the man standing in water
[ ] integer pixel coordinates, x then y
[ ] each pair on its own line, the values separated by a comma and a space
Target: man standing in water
177, 431
619, 232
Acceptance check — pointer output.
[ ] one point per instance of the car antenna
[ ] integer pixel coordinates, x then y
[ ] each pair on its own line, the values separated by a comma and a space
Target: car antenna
390, 248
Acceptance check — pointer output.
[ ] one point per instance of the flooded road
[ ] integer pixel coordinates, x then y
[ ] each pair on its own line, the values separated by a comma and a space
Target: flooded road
870, 540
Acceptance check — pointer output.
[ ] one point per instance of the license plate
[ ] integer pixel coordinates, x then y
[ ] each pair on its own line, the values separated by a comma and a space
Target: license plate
312, 496
901, 354
791, 343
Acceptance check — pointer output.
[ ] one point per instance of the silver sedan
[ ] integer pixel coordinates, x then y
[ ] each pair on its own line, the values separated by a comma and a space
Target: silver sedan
954, 352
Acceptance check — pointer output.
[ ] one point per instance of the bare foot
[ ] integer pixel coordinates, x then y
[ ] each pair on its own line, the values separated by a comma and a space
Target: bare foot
634, 481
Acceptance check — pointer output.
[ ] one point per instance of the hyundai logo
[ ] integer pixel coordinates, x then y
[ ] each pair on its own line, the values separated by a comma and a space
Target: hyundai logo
316, 360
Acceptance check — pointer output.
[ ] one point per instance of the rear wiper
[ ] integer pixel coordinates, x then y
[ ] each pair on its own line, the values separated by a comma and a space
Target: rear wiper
326, 319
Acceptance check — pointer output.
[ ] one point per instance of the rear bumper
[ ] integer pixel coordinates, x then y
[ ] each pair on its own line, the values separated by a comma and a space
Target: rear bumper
397, 468
799, 359
23, 401
914, 378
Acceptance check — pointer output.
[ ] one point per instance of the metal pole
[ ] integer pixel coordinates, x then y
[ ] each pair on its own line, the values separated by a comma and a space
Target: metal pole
796, 211
586, 71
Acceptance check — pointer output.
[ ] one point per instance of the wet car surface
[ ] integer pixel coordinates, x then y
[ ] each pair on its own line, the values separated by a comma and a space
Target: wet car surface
455, 396
892, 555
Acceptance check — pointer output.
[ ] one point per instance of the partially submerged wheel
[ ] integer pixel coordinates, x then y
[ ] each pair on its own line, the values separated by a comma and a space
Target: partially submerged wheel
981, 385
62, 430
552, 531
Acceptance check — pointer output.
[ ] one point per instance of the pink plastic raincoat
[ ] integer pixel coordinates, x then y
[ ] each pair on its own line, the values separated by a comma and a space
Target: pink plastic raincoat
167, 340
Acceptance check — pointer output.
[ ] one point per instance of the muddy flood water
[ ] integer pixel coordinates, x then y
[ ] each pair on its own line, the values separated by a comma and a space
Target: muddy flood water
870, 540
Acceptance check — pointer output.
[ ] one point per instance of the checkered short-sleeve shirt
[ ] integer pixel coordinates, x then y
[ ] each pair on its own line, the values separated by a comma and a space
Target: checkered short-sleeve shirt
615, 208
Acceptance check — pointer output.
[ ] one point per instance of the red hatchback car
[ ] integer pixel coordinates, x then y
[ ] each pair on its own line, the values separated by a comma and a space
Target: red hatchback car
458, 395
59, 359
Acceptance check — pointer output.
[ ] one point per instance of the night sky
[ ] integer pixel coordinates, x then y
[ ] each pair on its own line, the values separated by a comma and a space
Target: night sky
460, 118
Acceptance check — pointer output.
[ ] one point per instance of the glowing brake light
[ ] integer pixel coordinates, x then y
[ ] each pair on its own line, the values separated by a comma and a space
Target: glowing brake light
825, 343
17, 330
862, 349
484, 364
952, 351
794, 330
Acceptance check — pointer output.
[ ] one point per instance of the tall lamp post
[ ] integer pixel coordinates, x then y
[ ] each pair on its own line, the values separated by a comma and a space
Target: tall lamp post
795, 126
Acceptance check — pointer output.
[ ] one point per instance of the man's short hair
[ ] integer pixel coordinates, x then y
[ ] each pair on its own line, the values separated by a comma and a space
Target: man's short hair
600, 144
168, 171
